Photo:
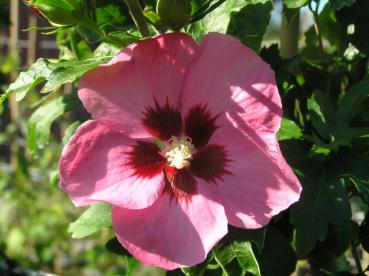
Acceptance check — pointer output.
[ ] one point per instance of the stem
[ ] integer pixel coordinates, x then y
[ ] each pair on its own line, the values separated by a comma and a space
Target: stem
221, 265
90, 24
135, 10
317, 28
290, 35
353, 249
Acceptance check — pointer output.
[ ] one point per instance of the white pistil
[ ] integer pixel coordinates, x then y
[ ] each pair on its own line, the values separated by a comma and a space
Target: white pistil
179, 152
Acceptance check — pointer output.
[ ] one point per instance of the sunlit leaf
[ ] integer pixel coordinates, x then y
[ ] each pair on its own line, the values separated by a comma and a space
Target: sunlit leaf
55, 74
28, 80
289, 130
245, 19
294, 4
39, 124
95, 218
242, 252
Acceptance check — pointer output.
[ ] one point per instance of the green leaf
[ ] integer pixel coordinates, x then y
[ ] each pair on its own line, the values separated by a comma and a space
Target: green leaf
71, 129
289, 130
55, 74
69, 71
250, 23
246, 19
96, 217
356, 16
322, 202
114, 246
294, 4
39, 124
271, 261
28, 80
351, 102
317, 118
353, 167
218, 20
132, 263
339, 4
255, 236
362, 187
242, 252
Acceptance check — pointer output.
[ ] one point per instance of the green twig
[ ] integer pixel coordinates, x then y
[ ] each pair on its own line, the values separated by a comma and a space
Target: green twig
221, 265
353, 249
204, 11
317, 28
135, 10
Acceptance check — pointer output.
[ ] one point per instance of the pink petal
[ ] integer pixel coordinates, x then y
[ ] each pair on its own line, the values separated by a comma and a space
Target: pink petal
171, 233
231, 79
149, 70
95, 166
260, 184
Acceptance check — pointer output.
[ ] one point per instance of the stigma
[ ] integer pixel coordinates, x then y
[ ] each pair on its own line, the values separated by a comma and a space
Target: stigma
179, 152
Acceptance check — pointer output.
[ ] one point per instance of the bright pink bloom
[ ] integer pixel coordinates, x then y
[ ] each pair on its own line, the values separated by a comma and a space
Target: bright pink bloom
182, 142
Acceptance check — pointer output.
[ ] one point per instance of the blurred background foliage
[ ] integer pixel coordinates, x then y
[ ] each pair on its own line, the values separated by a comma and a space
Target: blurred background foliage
319, 51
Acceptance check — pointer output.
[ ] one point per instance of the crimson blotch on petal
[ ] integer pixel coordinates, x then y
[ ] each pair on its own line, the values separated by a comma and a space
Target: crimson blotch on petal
182, 143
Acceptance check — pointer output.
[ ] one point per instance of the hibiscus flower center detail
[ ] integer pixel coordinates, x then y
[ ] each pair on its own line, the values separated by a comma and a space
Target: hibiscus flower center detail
179, 152
179, 148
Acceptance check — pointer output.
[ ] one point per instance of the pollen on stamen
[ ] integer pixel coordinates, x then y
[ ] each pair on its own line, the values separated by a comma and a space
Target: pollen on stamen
179, 152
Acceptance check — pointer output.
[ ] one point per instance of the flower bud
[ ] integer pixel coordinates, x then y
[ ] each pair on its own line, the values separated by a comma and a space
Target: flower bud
59, 12
174, 13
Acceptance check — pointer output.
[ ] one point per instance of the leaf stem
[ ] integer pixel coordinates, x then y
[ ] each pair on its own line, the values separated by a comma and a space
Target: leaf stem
317, 28
353, 249
135, 10
221, 265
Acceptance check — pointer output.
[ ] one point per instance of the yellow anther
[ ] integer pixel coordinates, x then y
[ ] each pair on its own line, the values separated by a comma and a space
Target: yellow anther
179, 152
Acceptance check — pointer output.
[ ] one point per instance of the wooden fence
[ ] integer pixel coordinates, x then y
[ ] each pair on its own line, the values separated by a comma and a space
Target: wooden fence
27, 45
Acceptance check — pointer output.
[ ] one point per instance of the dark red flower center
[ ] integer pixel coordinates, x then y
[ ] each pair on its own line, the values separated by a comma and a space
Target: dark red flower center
181, 151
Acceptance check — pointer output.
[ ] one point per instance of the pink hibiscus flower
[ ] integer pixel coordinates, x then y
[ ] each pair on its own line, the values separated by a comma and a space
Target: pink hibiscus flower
182, 142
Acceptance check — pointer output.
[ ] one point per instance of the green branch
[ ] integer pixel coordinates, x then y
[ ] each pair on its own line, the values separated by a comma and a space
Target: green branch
135, 10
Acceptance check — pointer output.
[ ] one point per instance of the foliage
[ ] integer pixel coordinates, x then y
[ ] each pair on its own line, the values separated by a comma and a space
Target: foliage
324, 137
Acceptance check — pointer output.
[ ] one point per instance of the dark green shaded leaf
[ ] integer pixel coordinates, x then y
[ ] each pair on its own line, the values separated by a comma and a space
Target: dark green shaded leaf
338, 4
317, 118
96, 217
277, 257
357, 16
322, 202
115, 247
351, 102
